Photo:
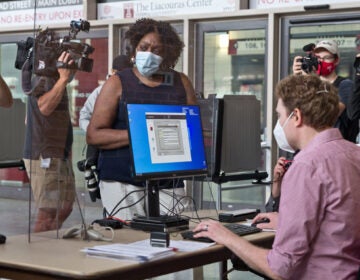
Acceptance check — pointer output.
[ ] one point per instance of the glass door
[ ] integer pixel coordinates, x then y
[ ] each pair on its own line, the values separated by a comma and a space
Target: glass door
231, 60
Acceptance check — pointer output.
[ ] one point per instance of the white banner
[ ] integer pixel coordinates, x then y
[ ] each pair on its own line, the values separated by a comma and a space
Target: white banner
265, 4
23, 13
155, 8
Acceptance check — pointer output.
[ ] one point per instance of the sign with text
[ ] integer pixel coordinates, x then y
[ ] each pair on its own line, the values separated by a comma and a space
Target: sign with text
246, 46
155, 8
265, 4
39, 12
342, 41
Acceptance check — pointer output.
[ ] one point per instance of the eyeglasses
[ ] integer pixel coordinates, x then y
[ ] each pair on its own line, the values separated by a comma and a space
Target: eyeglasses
325, 58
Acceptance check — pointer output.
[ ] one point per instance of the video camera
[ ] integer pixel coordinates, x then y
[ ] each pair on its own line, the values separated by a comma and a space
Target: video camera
89, 168
309, 62
45, 49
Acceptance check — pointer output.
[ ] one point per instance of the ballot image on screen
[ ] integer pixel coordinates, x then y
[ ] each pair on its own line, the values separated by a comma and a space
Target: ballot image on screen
168, 137
166, 141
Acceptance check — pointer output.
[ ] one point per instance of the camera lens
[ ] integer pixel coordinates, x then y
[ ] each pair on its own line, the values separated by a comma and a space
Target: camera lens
305, 66
309, 63
92, 184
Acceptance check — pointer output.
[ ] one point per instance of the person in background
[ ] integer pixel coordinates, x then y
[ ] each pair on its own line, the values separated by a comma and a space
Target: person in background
316, 235
119, 63
328, 56
6, 99
280, 168
155, 49
282, 165
354, 105
48, 140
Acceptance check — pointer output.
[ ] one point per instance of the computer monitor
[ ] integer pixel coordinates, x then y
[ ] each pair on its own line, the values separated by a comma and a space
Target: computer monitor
232, 136
166, 141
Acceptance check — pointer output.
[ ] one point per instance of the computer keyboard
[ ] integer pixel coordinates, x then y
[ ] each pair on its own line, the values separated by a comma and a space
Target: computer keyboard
238, 229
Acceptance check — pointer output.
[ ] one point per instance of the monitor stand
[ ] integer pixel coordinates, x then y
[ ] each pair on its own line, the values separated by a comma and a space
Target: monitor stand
153, 221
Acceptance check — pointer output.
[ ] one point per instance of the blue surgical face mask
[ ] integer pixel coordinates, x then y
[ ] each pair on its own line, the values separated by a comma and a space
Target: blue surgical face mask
147, 63
280, 136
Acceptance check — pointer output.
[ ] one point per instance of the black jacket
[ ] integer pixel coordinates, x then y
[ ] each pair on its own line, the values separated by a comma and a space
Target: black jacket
354, 104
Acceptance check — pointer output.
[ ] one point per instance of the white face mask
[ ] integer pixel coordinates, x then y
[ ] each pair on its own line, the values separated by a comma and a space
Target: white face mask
147, 63
280, 136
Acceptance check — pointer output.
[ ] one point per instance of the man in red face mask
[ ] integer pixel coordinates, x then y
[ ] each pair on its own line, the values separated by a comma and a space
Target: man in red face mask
327, 53
328, 57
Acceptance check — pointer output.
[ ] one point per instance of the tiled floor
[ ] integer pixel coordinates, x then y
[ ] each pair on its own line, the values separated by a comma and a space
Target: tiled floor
15, 220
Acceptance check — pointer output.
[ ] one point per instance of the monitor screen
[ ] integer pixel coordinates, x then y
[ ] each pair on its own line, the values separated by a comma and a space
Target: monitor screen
166, 141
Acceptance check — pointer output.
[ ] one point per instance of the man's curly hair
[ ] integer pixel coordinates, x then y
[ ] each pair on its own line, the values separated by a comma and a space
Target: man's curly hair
172, 44
317, 100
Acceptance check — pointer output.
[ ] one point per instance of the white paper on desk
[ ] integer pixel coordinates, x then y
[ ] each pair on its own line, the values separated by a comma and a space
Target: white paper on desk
131, 252
178, 245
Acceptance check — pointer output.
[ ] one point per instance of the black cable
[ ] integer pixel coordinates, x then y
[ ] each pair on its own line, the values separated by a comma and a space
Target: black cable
198, 219
179, 205
212, 196
174, 197
113, 212
131, 205
195, 209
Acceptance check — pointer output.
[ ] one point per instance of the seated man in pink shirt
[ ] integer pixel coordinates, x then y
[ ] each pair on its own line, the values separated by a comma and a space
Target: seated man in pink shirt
318, 231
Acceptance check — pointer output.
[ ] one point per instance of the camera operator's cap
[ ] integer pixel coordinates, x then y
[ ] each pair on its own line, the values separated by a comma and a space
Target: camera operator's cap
329, 45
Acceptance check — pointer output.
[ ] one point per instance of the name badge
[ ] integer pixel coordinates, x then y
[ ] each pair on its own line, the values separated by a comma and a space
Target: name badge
45, 162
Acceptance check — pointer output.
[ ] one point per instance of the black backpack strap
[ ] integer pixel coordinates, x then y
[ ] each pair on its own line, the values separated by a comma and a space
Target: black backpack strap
338, 81
354, 104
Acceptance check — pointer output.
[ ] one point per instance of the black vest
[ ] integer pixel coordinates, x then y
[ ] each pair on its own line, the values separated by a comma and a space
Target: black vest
115, 164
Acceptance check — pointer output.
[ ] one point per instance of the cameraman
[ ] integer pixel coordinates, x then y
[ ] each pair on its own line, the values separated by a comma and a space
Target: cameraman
6, 99
328, 57
48, 140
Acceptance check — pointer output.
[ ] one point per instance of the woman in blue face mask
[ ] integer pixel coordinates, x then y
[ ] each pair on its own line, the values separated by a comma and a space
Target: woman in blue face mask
154, 49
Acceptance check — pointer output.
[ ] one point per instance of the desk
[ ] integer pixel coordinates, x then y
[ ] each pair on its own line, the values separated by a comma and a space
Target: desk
45, 258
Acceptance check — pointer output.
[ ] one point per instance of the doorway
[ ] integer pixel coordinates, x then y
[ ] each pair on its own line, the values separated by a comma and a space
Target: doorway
231, 60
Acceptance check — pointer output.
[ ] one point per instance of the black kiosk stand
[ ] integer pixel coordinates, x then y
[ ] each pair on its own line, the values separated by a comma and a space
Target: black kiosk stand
166, 142
154, 221
232, 133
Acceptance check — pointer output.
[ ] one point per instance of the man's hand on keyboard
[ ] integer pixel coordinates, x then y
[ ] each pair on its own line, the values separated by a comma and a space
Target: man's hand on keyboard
270, 224
213, 230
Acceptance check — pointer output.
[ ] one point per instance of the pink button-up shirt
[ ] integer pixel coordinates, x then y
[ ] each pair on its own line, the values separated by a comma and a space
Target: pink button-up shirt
318, 235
